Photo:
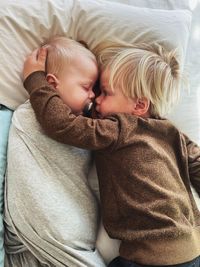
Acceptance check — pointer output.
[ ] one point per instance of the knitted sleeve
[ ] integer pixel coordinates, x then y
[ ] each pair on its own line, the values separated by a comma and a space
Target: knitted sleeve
194, 163
61, 124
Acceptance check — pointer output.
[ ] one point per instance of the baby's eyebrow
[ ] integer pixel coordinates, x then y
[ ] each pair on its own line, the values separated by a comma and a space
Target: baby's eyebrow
90, 81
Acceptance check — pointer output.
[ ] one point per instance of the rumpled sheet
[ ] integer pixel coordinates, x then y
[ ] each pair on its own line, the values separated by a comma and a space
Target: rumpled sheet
51, 214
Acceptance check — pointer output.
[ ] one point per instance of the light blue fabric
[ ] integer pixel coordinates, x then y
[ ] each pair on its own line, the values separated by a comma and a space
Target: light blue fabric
5, 120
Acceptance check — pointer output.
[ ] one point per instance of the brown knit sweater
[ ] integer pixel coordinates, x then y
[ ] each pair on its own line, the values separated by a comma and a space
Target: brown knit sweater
144, 166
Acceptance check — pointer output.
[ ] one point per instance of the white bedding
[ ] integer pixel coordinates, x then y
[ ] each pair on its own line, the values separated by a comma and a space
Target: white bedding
187, 114
25, 25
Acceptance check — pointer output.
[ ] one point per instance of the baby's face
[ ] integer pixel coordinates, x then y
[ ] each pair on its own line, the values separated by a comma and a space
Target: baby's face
77, 81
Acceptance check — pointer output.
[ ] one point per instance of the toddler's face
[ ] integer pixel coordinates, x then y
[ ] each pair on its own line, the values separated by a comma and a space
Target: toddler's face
77, 81
110, 102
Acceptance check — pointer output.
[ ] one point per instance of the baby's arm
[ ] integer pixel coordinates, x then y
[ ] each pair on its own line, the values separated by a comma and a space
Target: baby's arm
56, 117
194, 163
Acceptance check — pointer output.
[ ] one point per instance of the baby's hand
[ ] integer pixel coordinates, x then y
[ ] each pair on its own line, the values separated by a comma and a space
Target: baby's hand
35, 62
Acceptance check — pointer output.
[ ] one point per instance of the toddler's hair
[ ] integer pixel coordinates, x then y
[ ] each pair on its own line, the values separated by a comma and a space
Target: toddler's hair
142, 70
61, 51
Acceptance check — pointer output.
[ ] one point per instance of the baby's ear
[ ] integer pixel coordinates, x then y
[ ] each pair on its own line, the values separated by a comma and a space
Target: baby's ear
141, 106
52, 80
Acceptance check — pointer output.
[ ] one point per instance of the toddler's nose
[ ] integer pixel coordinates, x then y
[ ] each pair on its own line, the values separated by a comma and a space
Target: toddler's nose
98, 99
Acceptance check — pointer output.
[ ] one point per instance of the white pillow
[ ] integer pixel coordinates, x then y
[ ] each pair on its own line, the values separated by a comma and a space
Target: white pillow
24, 25
157, 4
97, 20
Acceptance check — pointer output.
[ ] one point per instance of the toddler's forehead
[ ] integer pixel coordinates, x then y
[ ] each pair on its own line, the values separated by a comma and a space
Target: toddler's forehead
105, 74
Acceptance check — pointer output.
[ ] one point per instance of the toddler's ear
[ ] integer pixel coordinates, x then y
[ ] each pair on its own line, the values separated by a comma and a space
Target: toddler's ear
141, 106
52, 80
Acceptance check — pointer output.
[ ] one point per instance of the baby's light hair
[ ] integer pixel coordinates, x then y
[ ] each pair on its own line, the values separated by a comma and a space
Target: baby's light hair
61, 51
142, 70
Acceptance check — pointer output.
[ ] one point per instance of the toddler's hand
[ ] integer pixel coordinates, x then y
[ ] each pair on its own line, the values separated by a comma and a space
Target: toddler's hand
35, 62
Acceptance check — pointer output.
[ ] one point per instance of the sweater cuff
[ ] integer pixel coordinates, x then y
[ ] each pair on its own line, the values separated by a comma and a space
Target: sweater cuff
34, 81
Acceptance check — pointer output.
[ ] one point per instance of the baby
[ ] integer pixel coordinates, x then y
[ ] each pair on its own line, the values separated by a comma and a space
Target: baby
51, 213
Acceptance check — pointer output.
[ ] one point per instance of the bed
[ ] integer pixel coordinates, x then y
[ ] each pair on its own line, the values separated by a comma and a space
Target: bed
23, 27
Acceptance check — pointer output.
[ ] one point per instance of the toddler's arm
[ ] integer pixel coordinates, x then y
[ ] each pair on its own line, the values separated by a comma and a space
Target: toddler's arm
35, 62
194, 163
56, 117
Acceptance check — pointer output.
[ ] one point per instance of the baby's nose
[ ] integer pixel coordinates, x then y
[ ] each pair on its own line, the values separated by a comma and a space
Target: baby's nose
91, 94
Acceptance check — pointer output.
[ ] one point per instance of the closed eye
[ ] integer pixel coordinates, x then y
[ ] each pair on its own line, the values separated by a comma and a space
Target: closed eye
104, 92
86, 87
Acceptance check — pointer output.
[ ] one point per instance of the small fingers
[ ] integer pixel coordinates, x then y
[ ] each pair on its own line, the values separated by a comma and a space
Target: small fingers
42, 54
33, 54
35, 62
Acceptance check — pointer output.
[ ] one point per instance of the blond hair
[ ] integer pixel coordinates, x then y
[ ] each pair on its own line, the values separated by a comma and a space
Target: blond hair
142, 70
61, 51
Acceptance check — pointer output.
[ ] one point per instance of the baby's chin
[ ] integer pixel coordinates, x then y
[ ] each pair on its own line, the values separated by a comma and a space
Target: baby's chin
99, 115
89, 110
